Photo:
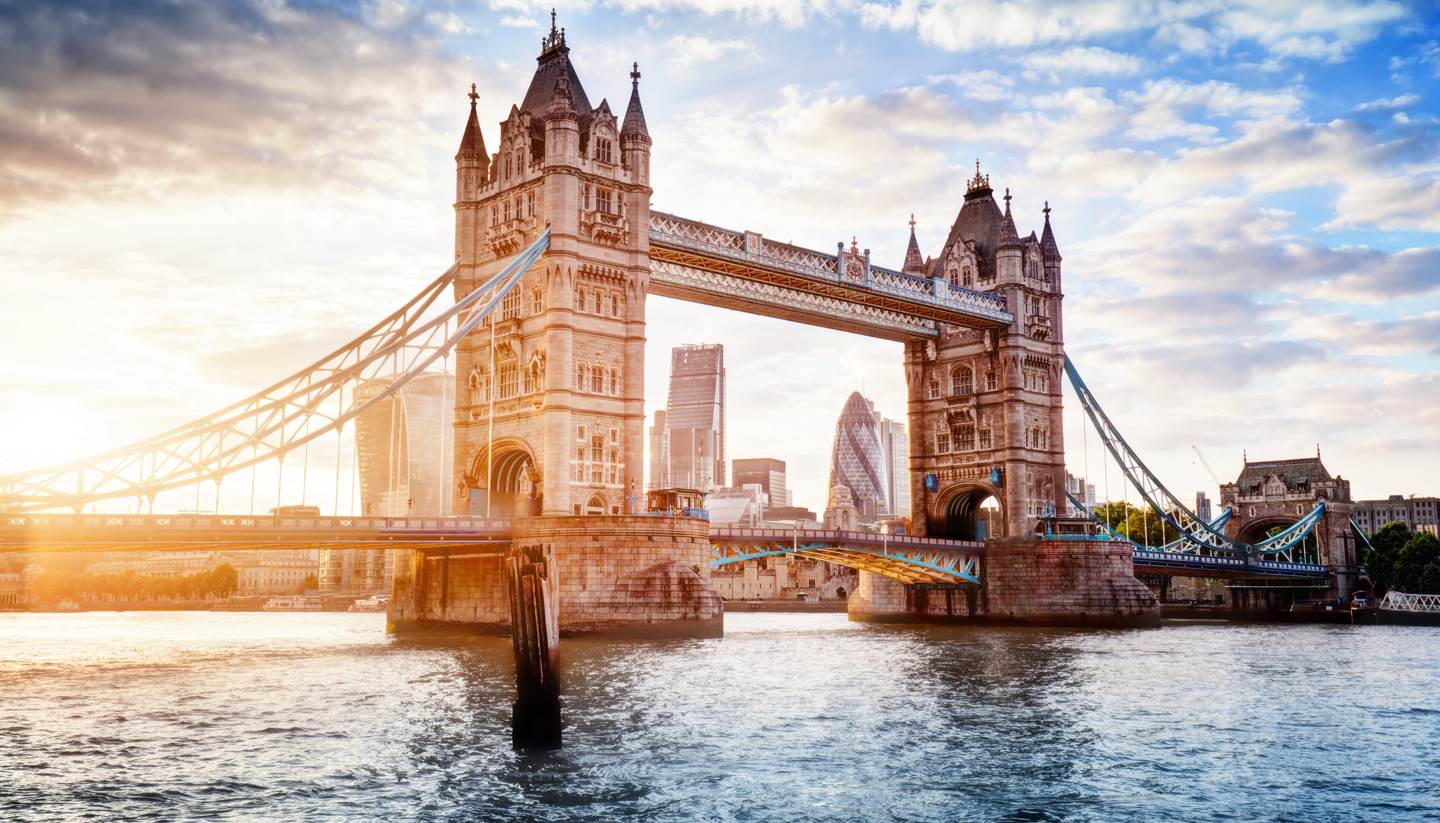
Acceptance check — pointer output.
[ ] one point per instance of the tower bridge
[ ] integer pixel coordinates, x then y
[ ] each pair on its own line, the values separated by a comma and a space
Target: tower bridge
556, 251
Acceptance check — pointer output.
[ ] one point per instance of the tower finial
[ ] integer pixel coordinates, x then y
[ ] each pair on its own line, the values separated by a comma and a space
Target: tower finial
1047, 211
634, 75
473, 95
552, 21
1007, 198
912, 221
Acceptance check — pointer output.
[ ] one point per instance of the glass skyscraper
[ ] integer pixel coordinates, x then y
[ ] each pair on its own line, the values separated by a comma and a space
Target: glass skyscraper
858, 460
687, 443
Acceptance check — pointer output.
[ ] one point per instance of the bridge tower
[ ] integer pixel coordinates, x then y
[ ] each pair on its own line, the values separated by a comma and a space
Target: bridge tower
550, 390
984, 404
1270, 494
550, 393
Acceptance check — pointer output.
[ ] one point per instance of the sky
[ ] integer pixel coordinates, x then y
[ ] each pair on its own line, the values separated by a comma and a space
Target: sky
197, 198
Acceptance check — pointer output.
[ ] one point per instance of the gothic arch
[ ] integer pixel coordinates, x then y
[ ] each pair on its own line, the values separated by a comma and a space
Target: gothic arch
516, 488
956, 512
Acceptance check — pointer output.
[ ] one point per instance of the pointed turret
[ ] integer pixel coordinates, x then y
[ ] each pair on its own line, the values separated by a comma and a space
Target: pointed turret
472, 142
914, 262
472, 162
634, 126
1009, 237
1048, 246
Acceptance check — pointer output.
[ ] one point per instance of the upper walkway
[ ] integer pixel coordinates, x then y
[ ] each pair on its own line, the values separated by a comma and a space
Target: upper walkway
743, 270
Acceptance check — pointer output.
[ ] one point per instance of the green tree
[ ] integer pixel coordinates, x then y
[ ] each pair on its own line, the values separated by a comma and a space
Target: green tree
1139, 523
224, 579
1385, 546
1417, 567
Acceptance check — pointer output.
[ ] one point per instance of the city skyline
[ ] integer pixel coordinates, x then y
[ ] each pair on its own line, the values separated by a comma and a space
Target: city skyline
1282, 211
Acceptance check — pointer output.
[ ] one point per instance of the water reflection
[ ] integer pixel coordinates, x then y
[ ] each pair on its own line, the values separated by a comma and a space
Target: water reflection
794, 717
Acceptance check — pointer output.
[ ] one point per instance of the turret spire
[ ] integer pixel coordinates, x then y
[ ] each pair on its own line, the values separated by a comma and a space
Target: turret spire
1048, 247
472, 142
1009, 237
634, 125
914, 263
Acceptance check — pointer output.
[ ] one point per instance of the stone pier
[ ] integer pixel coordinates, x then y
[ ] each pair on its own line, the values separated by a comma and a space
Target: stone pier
1032, 582
628, 575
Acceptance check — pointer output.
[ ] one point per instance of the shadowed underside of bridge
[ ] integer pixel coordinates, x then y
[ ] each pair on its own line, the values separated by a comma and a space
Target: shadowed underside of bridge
904, 558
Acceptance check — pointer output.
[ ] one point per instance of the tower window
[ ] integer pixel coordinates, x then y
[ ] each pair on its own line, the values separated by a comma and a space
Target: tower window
509, 380
962, 381
604, 151
602, 200
934, 389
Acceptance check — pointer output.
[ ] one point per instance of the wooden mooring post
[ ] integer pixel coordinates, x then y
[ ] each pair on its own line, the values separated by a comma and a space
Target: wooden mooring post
535, 634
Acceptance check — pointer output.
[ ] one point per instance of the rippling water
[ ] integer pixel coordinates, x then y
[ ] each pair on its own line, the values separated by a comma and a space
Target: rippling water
788, 717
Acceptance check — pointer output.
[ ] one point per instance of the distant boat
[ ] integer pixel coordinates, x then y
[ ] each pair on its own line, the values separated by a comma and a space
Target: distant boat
292, 603
1402, 609
373, 603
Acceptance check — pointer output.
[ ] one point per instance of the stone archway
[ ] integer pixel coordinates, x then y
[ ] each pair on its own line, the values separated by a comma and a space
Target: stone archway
515, 491
960, 513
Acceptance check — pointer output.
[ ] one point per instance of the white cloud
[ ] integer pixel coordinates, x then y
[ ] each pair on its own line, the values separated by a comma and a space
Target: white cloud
1080, 60
1389, 102
1289, 28
985, 85
519, 21
1162, 104
688, 50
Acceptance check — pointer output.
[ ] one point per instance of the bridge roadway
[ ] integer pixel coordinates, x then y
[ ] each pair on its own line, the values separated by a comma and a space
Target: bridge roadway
908, 558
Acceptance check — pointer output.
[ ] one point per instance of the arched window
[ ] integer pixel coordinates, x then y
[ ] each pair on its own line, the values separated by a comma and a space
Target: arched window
597, 379
509, 381
962, 381
594, 302
537, 300
989, 381
965, 437
579, 377
580, 300
934, 390
942, 439
966, 279
615, 389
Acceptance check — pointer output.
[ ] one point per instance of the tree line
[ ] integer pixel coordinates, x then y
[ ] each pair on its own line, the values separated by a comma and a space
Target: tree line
55, 584
1403, 560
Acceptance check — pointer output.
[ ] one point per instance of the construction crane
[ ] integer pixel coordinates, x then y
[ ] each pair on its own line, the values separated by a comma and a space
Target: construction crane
1206, 464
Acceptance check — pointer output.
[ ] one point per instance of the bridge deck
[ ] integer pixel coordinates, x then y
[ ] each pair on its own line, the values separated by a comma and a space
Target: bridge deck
183, 532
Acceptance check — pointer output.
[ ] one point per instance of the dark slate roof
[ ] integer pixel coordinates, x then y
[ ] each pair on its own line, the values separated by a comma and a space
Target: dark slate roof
472, 142
1304, 470
1048, 246
553, 64
978, 221
914, 263
634, 115
1009, 238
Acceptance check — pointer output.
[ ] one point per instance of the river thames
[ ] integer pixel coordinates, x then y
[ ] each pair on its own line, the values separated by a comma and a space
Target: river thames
158, 715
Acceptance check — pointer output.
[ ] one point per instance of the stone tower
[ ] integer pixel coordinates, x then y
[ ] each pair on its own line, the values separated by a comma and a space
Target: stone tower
985, 405
1273, 494
550, 390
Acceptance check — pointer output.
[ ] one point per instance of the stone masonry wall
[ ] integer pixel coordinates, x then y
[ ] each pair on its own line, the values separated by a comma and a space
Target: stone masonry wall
618, 574
1065, 582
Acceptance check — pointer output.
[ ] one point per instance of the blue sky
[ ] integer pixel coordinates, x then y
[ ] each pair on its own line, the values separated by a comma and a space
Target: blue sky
195, 198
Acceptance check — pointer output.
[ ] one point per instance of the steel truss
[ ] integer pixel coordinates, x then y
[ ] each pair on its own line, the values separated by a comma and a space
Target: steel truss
904, 564
1194, 532
284, 416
